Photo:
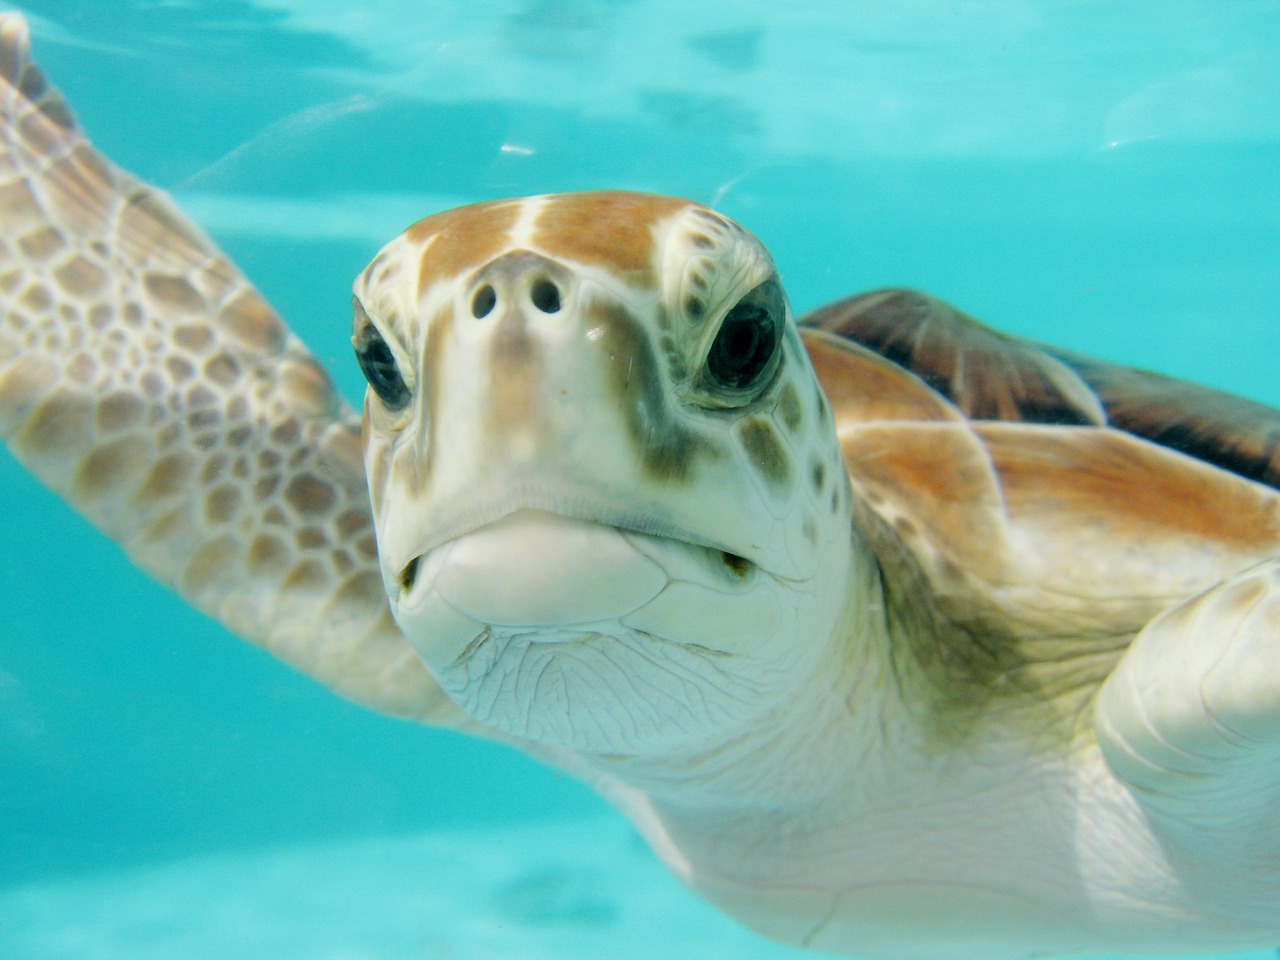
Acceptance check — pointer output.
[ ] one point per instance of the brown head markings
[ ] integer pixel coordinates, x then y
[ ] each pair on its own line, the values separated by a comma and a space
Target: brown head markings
612, 230
667, 448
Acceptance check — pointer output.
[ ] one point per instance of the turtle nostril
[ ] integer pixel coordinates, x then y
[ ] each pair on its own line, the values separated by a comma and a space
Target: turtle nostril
545, 296
408, 575
483, 302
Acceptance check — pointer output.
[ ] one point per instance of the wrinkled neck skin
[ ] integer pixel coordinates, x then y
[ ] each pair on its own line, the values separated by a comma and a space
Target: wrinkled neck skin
699, 734
771, 758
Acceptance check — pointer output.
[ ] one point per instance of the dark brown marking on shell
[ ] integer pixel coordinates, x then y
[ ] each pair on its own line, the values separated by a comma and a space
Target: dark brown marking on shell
1139, 490
310, 538
18, 204
462, 240
367, 546
63, 422
222, 369
351, 522
309, 575
153, 385
211, 563
1235, 434
203, 419
37, 297
167, 477
362, 590
118, 411
80, 277
264, 487
309, 495
986, 374
221, 504
995, 377
109, 466
667, 449
765, 450
286, 433
266, 555
612, 230
200, 396
179, 369
194, 337
82, 368
252, 322
42, 244
100, 316
215, 468
176, 292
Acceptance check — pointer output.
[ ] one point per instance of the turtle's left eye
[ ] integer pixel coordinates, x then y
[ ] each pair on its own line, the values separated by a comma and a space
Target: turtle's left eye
744, 351
379, 367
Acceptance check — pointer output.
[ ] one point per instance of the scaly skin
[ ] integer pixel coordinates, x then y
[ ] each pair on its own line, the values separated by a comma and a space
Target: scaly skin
830, 616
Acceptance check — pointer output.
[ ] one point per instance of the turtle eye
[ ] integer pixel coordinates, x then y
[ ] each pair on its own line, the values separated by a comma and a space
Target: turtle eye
746, 344
378, 365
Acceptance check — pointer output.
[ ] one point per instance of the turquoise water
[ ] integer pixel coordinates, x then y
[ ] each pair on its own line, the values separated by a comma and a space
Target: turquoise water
1104, 176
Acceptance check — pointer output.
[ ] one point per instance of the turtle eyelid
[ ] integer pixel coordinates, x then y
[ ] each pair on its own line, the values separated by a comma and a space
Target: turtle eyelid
378, 364
744, 353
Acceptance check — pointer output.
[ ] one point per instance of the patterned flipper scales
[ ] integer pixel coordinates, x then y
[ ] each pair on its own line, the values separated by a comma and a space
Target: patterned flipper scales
145, 380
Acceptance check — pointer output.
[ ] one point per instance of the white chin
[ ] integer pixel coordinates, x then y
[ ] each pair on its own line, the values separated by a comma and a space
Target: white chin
593, 693
537, 569
585, 636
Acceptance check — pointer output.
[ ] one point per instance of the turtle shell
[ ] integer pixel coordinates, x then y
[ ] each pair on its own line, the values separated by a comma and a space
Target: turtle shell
1031, 509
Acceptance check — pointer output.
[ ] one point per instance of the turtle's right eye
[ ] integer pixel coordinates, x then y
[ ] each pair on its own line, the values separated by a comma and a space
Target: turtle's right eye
379, 367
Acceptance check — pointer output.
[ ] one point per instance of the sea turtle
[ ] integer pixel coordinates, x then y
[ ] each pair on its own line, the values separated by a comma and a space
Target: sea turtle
892, 635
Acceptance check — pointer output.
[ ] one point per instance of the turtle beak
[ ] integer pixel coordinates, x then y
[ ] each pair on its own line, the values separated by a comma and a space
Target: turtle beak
545, 388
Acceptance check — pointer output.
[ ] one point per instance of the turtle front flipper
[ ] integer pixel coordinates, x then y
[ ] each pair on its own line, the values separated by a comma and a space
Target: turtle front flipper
1190, 719
145, 380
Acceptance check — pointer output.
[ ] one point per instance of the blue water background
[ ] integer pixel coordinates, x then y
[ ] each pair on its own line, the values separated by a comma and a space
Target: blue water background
1101, 175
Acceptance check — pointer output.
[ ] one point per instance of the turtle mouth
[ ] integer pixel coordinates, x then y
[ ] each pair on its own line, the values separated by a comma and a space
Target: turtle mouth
739, 568
409, 575
532, 568
734, 558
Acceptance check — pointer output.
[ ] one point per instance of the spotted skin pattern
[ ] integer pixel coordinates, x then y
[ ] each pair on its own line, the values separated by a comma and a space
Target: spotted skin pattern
1026, 700
146, 381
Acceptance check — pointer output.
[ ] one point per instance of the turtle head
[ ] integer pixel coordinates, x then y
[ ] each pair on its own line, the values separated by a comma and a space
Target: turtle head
610, 506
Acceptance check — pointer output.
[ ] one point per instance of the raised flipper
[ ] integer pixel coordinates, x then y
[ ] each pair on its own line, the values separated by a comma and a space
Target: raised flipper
1190, 718
145, 380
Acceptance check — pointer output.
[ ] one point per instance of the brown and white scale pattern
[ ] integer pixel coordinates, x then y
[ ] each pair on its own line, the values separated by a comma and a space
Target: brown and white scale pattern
1029, 701
146, 381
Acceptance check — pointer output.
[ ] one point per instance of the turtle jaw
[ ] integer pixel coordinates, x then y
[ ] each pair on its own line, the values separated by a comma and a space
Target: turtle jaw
540, 574
618, 371
592, 637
